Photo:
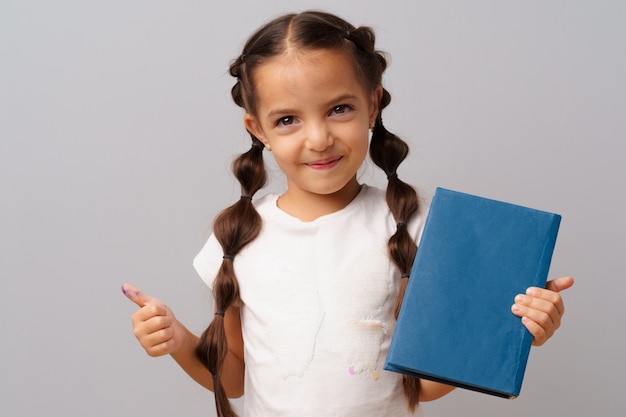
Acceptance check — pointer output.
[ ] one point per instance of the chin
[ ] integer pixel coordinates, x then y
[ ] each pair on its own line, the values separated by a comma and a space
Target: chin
336, 189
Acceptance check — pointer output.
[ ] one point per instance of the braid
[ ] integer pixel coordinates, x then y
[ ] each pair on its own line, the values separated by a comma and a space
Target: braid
236, 71
387, 152
234, 228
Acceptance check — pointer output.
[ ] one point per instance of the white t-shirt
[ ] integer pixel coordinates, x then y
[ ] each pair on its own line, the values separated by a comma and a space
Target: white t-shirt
317, 313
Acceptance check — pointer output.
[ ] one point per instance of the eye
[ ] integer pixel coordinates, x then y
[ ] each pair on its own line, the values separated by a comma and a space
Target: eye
341, 109
285, 121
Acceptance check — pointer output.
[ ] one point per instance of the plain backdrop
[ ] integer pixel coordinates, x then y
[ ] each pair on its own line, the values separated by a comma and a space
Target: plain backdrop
116, 136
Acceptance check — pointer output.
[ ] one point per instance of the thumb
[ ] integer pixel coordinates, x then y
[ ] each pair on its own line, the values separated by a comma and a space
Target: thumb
135, 295
560, 284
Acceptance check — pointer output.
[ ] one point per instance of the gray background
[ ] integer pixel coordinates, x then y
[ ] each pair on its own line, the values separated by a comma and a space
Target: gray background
116, 135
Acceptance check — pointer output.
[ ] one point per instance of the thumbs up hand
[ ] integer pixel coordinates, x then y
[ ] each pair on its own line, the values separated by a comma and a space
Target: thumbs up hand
154, 324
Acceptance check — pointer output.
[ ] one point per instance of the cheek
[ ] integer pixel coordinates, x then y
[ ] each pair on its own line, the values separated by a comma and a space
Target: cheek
358, 140
285, 152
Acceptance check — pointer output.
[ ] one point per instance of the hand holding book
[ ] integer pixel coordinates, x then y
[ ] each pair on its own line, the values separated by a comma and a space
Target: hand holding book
541, 310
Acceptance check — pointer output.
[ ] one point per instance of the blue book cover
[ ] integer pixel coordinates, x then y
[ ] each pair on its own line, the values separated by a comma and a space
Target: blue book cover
455, 325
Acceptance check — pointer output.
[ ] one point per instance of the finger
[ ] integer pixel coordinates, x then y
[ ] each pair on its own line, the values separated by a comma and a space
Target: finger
158, 343
537, 308
539, 324
560, 284
540, 336
135, 295
552, 297
539, 311
154, 332
155, 320
540, 317
151, 318
161, 349
157, 337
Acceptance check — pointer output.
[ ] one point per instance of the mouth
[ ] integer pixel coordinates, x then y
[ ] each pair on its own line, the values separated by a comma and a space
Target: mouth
325, 163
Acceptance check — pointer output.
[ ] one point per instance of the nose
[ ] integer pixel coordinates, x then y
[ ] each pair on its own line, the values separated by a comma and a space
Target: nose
318, 137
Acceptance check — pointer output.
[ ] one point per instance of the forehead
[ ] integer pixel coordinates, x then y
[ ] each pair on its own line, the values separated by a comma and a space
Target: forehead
307, 77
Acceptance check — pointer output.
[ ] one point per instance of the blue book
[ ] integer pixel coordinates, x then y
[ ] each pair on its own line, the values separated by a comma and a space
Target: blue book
456, 325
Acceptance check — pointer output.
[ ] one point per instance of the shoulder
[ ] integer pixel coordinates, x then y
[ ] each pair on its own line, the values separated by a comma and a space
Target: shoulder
268, 200
208, 260
375, 203
371, 201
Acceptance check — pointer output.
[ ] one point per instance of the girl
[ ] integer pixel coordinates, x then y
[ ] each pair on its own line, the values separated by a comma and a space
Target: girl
308, 284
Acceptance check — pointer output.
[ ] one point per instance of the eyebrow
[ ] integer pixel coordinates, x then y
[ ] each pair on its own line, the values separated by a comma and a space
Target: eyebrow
274, 114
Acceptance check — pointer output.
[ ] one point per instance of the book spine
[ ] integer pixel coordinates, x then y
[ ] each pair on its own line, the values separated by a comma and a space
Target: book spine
540, 279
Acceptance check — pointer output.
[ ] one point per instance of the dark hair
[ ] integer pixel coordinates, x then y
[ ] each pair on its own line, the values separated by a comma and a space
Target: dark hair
239, 224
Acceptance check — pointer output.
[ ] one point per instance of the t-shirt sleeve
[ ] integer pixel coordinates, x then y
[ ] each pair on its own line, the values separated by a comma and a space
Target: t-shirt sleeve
208, 261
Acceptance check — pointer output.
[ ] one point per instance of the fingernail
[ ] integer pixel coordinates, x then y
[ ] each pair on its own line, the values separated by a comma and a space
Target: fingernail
516, 308
530, 291
519, 298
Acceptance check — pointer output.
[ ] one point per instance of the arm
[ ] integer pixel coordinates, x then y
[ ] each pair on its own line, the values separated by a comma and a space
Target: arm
431, 390
160, 333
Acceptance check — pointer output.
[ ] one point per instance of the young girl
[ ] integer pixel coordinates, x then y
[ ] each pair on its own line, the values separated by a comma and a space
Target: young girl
307, 284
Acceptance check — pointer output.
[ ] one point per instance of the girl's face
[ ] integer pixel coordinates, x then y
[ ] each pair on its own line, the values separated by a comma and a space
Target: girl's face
313, 113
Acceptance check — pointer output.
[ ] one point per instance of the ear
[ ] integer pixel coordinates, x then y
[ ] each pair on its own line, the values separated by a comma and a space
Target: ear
253, 126
377, 96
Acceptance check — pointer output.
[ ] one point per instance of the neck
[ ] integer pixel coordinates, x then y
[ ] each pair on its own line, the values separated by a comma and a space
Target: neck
308, 206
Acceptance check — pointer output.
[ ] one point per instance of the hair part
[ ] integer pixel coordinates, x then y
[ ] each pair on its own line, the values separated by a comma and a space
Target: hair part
240, 223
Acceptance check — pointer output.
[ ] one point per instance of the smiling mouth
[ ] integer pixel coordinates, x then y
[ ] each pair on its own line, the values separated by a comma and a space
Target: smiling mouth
326, 163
